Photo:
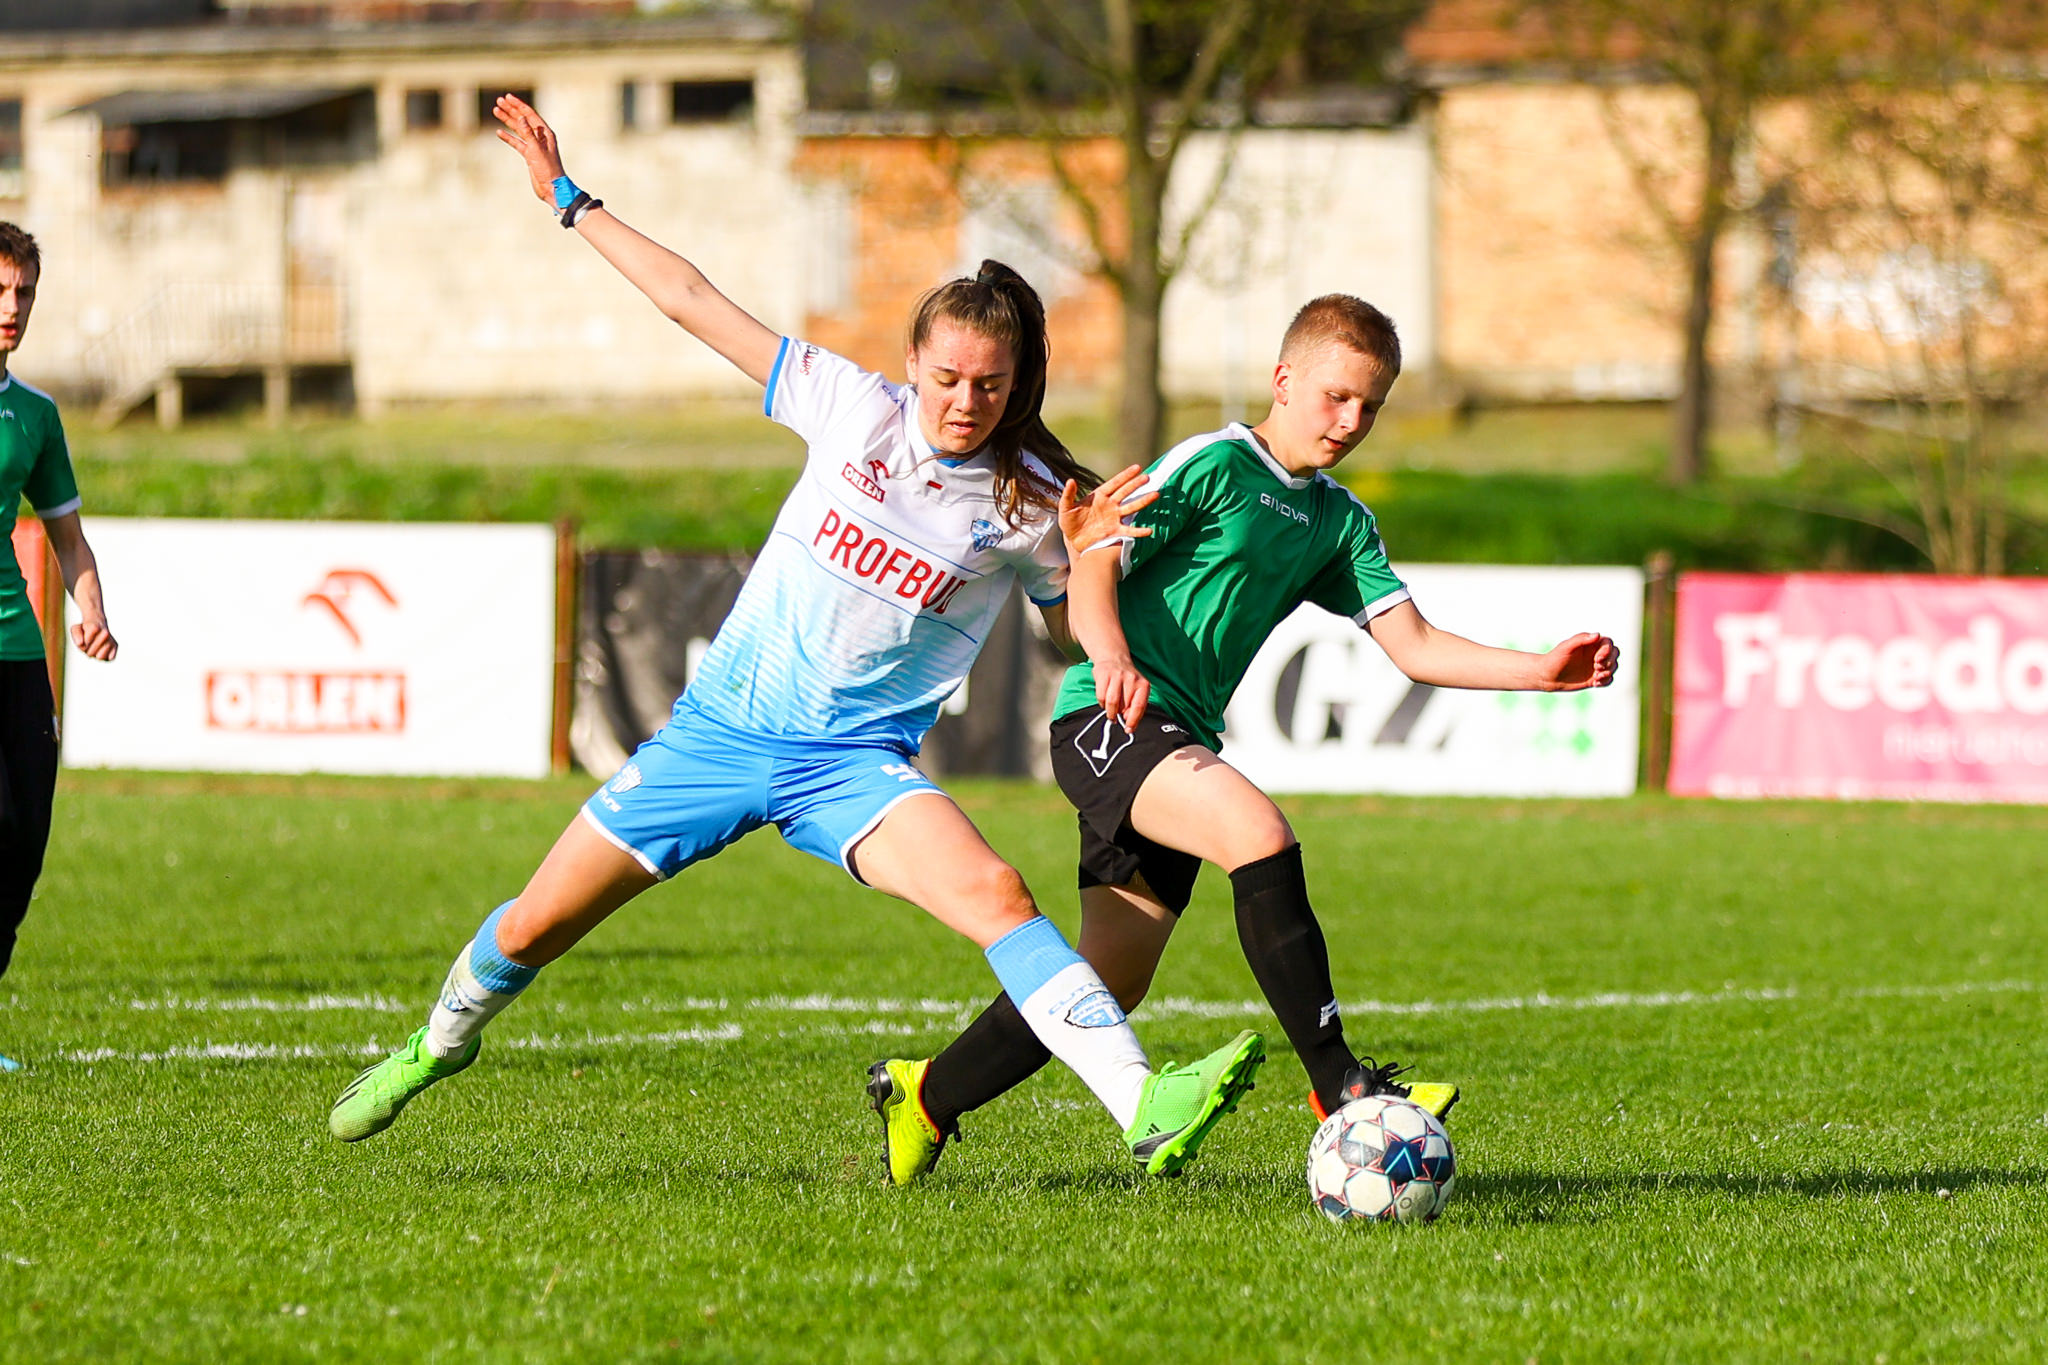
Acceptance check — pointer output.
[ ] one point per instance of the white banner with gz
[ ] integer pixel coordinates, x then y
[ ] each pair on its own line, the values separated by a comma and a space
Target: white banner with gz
1322, 709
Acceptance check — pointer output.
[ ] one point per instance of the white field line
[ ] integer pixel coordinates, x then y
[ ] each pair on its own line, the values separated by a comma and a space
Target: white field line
310, 1005
1169, 1007
263, 1052
1172, 1006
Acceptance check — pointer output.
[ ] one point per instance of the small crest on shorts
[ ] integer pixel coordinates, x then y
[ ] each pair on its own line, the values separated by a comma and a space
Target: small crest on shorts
628, 778
986, 533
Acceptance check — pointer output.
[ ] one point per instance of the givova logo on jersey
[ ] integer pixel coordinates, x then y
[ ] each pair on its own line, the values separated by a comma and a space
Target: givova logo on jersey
1291, 513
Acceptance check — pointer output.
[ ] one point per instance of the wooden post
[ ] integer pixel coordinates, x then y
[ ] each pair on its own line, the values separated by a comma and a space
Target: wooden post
565, 643
50, 612
277, 393
170, 400
1659, 611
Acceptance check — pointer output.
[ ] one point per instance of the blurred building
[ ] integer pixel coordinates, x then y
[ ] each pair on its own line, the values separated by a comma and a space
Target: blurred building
308, 196
1889, 229
311, 198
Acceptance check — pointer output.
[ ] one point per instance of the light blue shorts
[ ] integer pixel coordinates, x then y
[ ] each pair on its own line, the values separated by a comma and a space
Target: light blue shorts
697, 786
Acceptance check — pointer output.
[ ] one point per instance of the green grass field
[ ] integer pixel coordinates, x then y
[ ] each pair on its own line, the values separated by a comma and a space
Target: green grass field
1743, 1082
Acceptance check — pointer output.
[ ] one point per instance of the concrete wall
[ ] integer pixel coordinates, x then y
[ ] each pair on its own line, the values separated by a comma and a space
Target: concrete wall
1556, 280
1302, 212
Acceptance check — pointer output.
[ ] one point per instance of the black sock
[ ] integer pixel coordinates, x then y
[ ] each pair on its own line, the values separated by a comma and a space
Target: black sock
994, 1054
1284, 945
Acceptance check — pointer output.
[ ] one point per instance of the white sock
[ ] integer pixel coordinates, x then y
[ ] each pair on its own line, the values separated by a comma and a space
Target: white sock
1073, 1014
480, 983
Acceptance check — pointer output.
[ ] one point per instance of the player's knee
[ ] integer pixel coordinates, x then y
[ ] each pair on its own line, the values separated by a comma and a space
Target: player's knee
999, 892
1260, 839
523, 937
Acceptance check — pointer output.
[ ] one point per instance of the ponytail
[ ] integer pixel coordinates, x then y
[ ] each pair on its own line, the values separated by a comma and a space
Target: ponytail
1001, 305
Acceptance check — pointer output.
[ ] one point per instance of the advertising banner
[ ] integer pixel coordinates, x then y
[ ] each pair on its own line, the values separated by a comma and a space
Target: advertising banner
1323, 709
646, 619
1875, 686
319, 647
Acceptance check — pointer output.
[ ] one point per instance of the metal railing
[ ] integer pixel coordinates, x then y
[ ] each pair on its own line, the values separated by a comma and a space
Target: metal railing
214, 324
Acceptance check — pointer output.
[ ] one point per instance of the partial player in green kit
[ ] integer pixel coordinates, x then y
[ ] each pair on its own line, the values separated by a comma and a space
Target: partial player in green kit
1247, 527
34, 464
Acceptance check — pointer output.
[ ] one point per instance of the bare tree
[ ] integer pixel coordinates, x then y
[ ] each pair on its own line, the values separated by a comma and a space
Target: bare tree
1147, 74
1922, 218
1729, 57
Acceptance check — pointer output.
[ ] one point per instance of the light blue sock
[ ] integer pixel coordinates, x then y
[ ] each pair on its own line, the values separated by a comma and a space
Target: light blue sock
482, 982
1072, 1013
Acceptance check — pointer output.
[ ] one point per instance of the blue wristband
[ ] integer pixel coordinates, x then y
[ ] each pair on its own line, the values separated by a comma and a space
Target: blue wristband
565, 192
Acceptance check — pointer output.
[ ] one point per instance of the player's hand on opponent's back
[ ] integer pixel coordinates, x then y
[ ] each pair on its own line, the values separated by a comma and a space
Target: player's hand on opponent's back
1103, 516
528, 134
1121, 689
1585, 660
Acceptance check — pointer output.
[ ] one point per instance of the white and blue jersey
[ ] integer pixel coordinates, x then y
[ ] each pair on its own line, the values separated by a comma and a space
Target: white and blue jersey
886, 570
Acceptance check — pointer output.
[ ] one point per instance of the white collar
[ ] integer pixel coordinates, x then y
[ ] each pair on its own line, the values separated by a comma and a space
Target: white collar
1279, 471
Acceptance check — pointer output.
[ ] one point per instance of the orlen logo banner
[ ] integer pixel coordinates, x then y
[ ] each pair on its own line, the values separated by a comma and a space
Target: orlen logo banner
1861, 686
320, 647
1322, 709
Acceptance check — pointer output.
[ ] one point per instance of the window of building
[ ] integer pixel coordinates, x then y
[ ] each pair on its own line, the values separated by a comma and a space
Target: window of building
207, 138
10, 149
487, 100
710, 101
423, 111
629, 105
154, 153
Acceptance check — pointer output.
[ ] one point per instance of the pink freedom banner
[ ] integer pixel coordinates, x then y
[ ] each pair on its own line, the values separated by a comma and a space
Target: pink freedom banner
1861, 686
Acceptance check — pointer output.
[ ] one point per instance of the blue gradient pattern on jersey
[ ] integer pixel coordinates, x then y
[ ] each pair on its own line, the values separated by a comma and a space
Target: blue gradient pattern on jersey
883, 574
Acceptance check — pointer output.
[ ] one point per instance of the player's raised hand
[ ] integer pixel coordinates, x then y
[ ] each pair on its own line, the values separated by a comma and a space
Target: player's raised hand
1102, 516
1585, 660
528, 134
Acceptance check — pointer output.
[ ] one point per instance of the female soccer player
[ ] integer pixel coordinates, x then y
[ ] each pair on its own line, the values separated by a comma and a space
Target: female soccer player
36, 464
917, 508
1246, 527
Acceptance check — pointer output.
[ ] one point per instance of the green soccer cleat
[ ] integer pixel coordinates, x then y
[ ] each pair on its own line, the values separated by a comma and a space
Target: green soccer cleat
911, 1142
1181, 1104
1373, 1079
373, 1100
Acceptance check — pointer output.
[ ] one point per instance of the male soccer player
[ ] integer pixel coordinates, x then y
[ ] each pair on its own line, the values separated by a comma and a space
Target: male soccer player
1248, 525
34, 463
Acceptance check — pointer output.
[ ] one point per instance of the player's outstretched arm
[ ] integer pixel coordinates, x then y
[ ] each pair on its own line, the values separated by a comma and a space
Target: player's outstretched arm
1442, 659
82, 580
678, 288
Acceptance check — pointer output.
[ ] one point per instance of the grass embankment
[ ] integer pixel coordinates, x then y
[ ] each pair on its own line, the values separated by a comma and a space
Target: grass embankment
1533, 487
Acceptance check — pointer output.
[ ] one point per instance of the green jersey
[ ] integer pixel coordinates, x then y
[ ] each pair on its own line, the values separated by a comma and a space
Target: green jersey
1237, 544
34, 464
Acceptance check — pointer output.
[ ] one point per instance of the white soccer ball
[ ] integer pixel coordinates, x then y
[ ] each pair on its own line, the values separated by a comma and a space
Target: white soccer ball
1381, 1158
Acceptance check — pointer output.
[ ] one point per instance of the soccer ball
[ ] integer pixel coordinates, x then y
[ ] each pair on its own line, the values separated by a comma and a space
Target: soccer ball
1381, 1158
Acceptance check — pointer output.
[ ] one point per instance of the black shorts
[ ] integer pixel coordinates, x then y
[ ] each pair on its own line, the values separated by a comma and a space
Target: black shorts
1100, 766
